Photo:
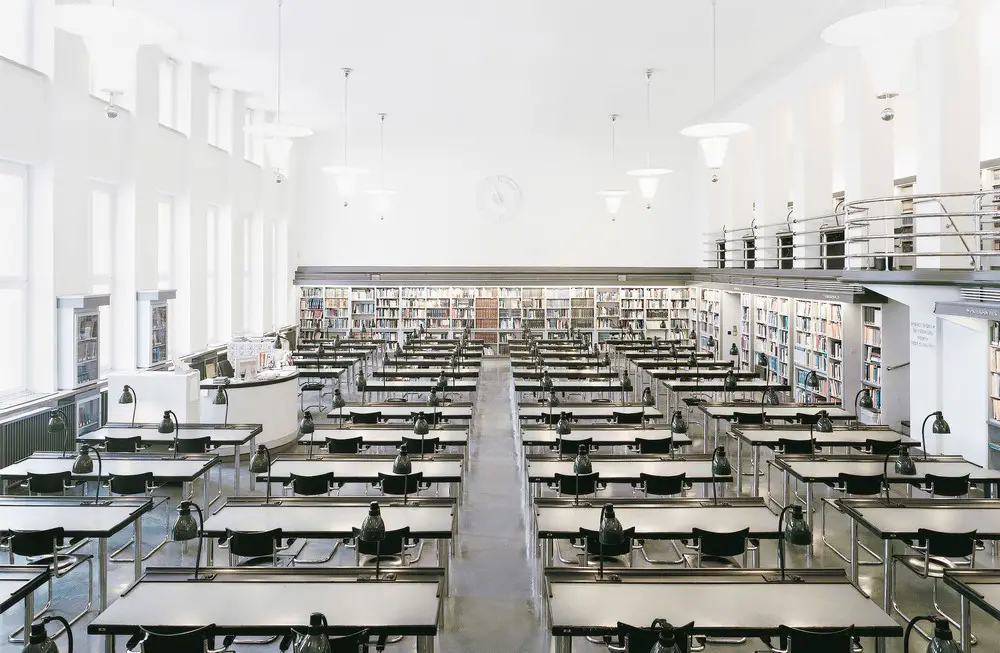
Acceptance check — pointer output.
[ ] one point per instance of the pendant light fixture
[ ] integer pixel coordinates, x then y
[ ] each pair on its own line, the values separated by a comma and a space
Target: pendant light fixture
613, 197
649, 177
345, 176
886, 38
381, 196
278, 136
113, 36
714, 136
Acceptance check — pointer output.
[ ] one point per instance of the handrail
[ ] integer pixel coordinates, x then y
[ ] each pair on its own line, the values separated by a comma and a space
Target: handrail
892, 368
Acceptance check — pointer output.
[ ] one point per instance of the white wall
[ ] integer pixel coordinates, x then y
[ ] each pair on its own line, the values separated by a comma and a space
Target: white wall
50, 122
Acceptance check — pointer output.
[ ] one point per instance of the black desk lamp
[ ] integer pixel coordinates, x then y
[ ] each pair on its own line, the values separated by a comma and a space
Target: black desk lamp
942, 642
610, 534
546, 381
562, 428
710, 343
939, 426
401, 464
863, 400
307, 427
677, 422
39, 641
666, 638
734, 350
692, 335
185, 528
729, 383
221, 398
315, 639
796, 531
553, 402
647, 397
626, 384
693, 362
824, 424
339, 403
373, 530
581, 465
904, 466
170, 424
260, 463
362, 384
812, 385
128, 397
84, 464
59, 425
720, 467
421, 428
277, 340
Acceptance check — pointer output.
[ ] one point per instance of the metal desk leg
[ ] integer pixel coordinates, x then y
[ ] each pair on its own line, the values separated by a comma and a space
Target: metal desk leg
966, 623
425, 644
564, 644
209, 552
739, 467
809, 504
102, 572
887, 575
137, 548
236, 467
29, 612
443, 563
854, 553
756, 470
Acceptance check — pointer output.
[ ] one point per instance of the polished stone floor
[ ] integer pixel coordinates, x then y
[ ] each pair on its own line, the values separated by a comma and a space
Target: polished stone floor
492, 608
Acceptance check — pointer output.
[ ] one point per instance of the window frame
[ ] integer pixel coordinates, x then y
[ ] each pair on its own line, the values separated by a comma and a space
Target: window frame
26, 11
19, 282
166, 281
171, 68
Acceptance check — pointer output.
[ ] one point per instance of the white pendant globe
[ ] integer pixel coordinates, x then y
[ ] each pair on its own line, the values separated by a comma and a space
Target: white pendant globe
113, 36
713, 137
649, 181
381, 200
613, 200
278, 139
346, 179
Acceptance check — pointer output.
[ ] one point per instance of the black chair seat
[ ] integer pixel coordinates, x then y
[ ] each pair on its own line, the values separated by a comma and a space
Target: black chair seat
312, 387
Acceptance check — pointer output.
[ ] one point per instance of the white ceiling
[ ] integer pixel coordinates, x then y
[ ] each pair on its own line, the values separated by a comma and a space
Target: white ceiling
510, 73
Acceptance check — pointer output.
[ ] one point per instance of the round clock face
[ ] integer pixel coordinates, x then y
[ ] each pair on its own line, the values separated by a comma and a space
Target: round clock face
498, 197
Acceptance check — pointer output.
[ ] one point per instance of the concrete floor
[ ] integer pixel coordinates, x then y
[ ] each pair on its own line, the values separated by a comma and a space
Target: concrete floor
494, 577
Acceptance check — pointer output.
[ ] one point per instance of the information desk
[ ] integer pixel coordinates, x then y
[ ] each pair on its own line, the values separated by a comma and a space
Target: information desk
271, 400
756, 437
903, 518
586, 411
617, 469
437, 468
80, 519
720, 603
273, 601
18, 584
403, 410
978, 587
601, 435
726, 410
238, 436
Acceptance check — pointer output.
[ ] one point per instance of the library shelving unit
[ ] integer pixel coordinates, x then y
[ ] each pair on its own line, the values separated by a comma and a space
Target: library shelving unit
387, 314
995, 372
463, 309
772, 334
79, 330
633, 308
487, 315
582, 308
819, 347
708, 317
324, 312
533, 304
608, 313
557, 309
363, 309
670, 306
871, 353
746, 330
509, 316
152, 323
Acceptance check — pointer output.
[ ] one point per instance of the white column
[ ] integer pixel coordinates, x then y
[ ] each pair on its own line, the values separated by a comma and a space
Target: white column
771, 182
739, 177
811, 170
948, 130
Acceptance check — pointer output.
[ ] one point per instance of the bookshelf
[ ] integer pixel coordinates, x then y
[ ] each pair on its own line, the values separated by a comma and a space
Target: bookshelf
582, 308
487, 315
995, 371
152, 322
772, 334
819, 347
633, 308
746, 330
78, 324
608, 312
387, 312
363, 309
324, 312
557, 309
708, 318
871, 356
533, 305
670, 306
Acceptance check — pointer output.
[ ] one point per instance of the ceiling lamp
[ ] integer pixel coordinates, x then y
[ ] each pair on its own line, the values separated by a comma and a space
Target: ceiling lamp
345, 176
113, 36
381, 196
649, 177
613, 197
714, 136
278, 137
886, 37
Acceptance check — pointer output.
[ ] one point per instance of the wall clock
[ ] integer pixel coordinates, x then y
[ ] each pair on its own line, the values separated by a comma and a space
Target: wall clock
498, 197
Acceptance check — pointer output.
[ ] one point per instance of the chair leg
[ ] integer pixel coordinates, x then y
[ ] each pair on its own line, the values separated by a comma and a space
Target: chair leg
13, 638
112, 557
877, 560
316, 561
679, 560
937, 608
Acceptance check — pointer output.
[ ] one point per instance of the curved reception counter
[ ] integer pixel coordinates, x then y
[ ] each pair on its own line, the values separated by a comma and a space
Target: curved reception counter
271, 399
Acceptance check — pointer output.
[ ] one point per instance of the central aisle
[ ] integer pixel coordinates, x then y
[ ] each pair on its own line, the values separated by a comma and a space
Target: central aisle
491, 609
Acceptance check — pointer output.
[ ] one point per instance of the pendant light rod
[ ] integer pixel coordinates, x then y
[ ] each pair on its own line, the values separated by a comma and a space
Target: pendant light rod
277, 115
649, 119
381, 147
347, 75
614, 119
714, 55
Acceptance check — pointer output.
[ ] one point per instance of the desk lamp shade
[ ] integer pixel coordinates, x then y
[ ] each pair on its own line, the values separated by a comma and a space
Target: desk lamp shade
361, 381
259, 463
734, 350
453, 360
185, 528
693, 359
824, 424
730, 382
865, 399
611, 532
942, 642
677, 422
420, 426
402, 464
399, 350
692, 334
39, 640
770, 397
711, 342
57, 423
762, 359
597, 350
220, 398
663, 324
546, 381
127, 396
812, 380
166, 424
647, 397
373, 527
553, 399
338, 399
626, 382
306, 424
434, 400
606, 361
562, 426
720, 464
315, 640
666, 640
938, 426
582, 464
904, 463
796, 529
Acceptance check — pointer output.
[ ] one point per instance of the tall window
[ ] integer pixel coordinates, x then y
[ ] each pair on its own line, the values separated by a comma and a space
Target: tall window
224, 274
252, 146
102, 216
279, 256
165, 243
212, 274
15, 28
168, 93
215, 122
13, 276
247, 275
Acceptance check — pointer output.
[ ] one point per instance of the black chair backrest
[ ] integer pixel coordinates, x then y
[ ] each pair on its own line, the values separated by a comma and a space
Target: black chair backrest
948, 486
553, 417
344, 445
571, 446
807, 418
432, 417
188, 641
253, 544
747, 418
36, 543
122, 445
392, 545
628, 418
312, 485
817, 641
572, 484
722, 545
658, 445
225, 368
860, 484
412, 443
789, 446
594, 545
194, 445
131, 483
353, 643
663, 485
948, 545
52, 483
400, 483
881, 447
366, 418
641, 640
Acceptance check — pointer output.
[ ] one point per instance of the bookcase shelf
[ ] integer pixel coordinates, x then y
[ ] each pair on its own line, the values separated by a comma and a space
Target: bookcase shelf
995, 371
819, 347
772, 334
746, 330
708, 318
871, 352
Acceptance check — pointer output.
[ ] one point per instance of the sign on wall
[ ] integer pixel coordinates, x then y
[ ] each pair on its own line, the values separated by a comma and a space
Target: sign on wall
923, 334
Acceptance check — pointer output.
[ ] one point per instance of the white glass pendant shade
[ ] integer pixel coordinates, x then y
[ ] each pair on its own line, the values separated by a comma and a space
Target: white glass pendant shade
346, 179
886, 37
649, 181
113, 36
613, 200
278, 140
713, 137
381, 200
